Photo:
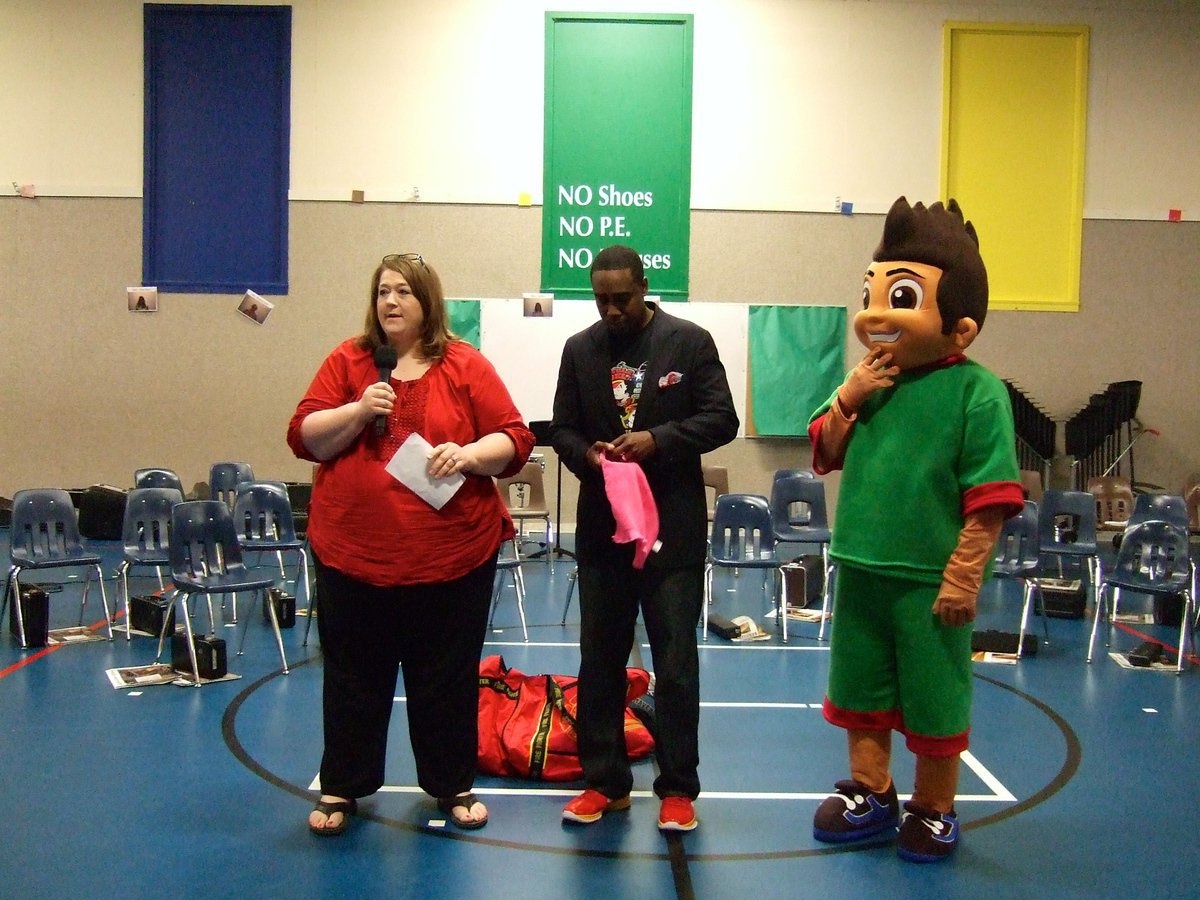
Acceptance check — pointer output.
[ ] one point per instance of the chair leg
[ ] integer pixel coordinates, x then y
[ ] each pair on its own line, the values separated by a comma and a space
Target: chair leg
499, 585
14, 585
103, 600
308, 616
784, 604
826, 592
708, 578
1028, 592
162, 634
123, 587
189, 637
1185, 628
7, 587
1101, 604
519, 586
274, 616
570, 590
1040, 609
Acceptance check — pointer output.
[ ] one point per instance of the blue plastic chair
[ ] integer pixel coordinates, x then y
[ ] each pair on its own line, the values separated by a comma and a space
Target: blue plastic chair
145, 534
1067, 528
1162, 507
510, 563
164, 478
1016, 557
799, 516
742, 538
262, 515
1154, 560
45, 535
223, 479
206, 559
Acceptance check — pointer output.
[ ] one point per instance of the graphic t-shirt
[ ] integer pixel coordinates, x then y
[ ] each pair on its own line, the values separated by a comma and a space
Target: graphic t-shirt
630, 358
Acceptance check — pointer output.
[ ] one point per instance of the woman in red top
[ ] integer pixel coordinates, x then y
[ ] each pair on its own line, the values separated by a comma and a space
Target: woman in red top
402, 583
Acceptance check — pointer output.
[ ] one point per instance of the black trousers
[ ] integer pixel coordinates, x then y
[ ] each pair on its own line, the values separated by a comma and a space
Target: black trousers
434, 633
670, 601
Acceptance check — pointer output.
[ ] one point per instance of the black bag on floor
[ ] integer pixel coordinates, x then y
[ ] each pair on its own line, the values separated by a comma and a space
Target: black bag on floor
1063, 598
102, 512
210, 655
1168, 610
722, 627
805, 577
285, 608
35, 614
146, 614
1002, 642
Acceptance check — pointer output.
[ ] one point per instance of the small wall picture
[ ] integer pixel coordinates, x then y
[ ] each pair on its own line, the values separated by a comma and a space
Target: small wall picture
538, 305
255, 307
142, 299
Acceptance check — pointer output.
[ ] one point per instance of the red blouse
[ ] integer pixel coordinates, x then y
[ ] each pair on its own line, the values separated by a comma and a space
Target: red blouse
364, 522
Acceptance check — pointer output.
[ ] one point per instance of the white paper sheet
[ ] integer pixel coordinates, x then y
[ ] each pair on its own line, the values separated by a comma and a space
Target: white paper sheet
410, 466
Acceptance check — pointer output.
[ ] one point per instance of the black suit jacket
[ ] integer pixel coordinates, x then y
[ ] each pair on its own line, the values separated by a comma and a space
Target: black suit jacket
688, 415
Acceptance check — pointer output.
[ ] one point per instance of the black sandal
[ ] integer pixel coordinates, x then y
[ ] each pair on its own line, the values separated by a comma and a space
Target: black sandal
327, 808
466, 801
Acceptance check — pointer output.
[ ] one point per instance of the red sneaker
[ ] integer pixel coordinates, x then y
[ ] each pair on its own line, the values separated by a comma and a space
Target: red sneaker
591, 805
677, 814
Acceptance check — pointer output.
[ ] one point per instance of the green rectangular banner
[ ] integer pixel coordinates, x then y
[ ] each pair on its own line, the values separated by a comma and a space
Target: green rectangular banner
797, 356
618, 152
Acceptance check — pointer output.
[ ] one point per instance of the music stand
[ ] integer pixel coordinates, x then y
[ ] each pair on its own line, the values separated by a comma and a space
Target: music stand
541, 438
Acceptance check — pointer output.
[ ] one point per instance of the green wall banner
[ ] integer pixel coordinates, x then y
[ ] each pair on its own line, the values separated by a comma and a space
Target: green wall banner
618, 154
797, 358
464, 320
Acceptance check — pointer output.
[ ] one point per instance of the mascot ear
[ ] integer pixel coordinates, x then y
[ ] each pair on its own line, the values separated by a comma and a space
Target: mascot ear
964, 333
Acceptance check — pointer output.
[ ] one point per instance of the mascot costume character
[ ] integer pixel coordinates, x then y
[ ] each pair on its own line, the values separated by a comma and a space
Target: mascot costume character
924, 438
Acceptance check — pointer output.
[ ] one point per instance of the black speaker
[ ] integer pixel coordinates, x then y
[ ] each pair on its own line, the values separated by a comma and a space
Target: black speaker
210, 655
1168, 610
805, 579
285, 608
721, 626
146, 614
1063, 598
1146, 654
35, 615
1002, 642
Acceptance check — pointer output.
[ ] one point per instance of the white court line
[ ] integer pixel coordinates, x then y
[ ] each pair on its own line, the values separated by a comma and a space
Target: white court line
1000, 794
746, 646
315, 785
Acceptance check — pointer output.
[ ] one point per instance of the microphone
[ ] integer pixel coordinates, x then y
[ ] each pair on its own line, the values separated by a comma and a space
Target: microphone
385, 361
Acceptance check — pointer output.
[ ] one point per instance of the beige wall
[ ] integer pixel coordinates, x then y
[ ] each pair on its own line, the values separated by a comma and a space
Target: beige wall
92, 391
795, 101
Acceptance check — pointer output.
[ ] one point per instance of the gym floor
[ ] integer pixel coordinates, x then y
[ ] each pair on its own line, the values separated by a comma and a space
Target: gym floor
1080, 780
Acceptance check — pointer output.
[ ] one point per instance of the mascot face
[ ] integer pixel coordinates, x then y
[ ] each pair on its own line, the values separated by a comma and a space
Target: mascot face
925, 295
900, 315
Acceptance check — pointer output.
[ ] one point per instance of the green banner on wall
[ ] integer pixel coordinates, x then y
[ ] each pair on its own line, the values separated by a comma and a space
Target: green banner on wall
797, 359
464, 320
618, 151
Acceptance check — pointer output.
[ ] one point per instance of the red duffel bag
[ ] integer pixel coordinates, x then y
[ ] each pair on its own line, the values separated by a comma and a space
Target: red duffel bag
527, 722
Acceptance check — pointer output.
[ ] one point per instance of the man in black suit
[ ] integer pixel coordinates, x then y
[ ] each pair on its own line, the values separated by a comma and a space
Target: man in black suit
639, 386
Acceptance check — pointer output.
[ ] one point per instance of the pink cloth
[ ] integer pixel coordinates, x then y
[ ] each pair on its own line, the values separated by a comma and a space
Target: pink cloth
633, 507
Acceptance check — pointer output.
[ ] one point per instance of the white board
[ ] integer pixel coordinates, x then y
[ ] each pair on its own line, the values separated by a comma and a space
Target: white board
526, 351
